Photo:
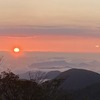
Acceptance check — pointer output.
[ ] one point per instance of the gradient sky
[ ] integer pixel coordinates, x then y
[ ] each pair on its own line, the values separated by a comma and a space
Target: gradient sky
50, 25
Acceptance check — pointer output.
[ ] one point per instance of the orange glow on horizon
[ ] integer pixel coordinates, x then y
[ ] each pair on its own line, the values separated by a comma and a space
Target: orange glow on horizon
49, 43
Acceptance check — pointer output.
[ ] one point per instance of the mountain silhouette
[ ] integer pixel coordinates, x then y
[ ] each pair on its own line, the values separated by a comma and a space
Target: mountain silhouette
76, 79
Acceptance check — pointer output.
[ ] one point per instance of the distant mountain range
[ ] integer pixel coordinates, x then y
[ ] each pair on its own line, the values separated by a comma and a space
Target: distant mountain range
44, 75
49, 64
63, 64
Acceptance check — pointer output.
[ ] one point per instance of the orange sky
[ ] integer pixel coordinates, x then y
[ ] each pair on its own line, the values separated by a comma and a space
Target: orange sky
50, 25
55, 43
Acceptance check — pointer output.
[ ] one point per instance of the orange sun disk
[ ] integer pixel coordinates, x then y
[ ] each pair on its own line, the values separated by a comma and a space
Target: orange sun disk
16, 50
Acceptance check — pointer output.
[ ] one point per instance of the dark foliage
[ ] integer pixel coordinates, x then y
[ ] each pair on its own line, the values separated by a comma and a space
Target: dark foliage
13, 88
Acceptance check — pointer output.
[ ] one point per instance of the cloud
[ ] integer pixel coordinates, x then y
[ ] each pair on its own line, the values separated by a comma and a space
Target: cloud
29, 31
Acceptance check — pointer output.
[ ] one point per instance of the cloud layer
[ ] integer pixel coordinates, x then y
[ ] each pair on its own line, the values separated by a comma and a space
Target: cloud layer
49, 30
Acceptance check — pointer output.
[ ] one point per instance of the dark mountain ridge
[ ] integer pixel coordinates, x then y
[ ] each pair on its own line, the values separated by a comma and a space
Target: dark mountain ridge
76, 79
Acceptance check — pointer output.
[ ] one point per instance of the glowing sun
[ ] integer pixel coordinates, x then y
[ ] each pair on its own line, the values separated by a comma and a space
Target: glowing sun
16, 50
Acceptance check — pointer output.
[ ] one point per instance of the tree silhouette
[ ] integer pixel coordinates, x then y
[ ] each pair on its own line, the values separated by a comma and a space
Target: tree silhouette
13, 88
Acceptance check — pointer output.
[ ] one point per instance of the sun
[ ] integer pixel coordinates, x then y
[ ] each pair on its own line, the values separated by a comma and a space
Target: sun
16, 50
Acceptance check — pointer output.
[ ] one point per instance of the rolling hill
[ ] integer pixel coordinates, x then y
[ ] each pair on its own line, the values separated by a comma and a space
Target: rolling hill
76, 79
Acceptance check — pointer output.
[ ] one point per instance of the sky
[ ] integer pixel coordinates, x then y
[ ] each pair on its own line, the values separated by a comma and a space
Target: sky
50, 25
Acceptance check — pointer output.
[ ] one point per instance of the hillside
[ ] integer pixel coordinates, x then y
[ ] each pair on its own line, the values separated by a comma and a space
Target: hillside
75, 79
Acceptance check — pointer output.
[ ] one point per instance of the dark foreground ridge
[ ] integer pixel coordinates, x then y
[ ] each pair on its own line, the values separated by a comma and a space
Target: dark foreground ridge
75, 79
74, 84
